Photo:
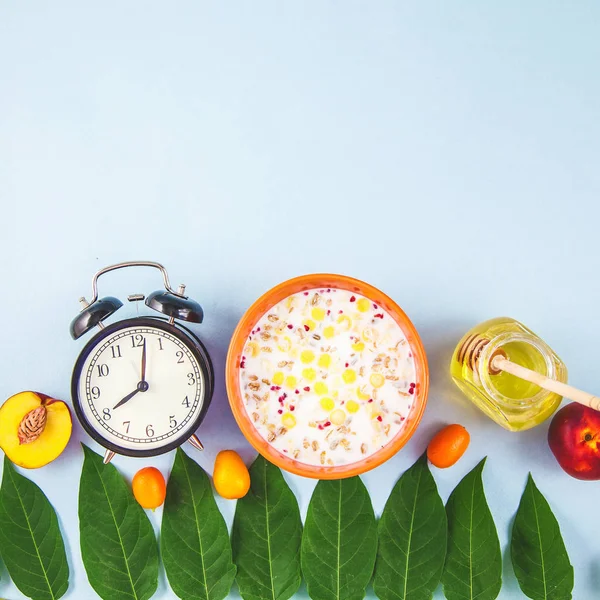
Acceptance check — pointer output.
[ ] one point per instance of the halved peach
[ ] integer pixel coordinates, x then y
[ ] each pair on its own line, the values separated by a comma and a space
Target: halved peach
30, 437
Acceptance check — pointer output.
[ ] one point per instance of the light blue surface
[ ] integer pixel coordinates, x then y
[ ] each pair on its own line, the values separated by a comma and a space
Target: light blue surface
447, 153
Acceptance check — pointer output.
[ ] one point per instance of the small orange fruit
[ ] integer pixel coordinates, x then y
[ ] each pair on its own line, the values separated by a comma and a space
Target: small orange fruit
231, 476
448, 445
149, 487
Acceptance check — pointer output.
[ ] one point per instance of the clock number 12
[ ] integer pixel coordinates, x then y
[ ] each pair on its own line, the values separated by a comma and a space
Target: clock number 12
137, 340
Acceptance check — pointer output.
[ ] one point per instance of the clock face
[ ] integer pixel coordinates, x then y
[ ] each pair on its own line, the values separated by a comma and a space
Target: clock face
140, 388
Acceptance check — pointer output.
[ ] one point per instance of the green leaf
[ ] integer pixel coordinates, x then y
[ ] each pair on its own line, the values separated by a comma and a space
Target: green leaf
474, 563
30, 539
539, 556
195, 544
339, 543
266, 536
118, 546
412, 538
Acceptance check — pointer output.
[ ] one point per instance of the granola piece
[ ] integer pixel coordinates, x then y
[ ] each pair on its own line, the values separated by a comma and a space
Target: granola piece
363, 448
266, 349
255, 416
322, 457
273, 318
271, 437
315, 445
296, 453
400, 343
252, 377
254, 386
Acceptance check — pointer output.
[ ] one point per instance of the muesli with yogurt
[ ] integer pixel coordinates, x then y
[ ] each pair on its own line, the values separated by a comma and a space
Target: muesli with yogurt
327, 377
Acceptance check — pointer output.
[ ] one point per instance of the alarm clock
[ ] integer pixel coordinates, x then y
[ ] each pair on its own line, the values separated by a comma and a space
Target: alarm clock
141, 386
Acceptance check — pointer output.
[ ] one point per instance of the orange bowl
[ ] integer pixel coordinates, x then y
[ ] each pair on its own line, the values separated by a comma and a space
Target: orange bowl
234, 357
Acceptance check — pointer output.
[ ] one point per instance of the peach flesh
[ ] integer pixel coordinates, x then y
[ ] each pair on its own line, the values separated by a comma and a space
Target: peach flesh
49, 445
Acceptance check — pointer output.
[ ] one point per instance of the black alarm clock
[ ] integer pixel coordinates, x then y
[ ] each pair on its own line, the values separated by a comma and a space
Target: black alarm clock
141, 386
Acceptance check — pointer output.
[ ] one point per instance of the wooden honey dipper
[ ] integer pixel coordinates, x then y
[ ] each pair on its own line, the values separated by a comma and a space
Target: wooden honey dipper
471, 349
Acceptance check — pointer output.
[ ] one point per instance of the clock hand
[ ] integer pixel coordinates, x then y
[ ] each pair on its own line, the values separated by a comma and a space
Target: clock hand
142, 386
127, 398
144, 362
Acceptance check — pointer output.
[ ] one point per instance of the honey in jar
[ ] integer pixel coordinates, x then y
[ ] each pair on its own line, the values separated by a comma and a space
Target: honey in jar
514, 403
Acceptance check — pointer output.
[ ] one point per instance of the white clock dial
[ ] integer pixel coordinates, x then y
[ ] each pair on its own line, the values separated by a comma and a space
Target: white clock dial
136, 410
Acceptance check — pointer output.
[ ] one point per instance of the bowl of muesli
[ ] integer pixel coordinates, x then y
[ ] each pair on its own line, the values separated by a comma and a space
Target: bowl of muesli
326, 376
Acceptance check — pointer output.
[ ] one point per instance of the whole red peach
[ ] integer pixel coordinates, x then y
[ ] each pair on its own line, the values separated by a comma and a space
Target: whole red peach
574, 438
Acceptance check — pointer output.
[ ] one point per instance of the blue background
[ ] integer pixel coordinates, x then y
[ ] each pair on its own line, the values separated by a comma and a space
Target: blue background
447, 153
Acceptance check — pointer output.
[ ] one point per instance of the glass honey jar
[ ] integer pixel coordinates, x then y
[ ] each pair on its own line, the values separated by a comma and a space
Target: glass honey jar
512, 402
